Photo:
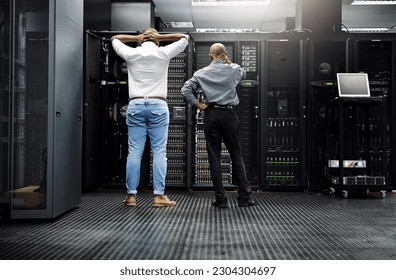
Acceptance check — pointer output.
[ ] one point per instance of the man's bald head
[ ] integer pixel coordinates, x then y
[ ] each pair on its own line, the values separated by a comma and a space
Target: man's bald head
218, 52
217, 49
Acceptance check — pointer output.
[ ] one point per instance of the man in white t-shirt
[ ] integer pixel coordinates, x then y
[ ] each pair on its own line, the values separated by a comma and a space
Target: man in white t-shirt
148, 112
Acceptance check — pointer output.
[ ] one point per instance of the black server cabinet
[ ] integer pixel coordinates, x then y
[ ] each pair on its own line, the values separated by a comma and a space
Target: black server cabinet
282, 138
41, 107
179, 135
248, 109
5, 53
367, 126
201, 177
326, 58
354, 143
246, 53
375, 55
106, 100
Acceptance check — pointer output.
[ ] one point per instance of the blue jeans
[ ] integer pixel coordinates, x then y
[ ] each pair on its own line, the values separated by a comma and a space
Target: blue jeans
147, 117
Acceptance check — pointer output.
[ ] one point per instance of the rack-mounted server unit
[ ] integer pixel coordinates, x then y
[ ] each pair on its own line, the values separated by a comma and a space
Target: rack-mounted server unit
245, 53
178, 151
248, 110
200, 159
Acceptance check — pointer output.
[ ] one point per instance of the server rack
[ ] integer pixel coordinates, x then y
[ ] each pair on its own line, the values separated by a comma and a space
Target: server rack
248, 110
5, 68
108, 90
354, 142
380, 68
201, 169
283, 115
246, 52
374, 55
41, 115
294, 79
179, 135
369, 53
327, 57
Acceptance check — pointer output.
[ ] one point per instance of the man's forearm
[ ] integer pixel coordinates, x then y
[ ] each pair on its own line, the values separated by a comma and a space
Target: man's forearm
172, 37
201, 106
126, 38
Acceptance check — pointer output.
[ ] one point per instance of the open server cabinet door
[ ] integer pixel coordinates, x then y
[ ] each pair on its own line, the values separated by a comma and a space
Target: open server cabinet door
45, 108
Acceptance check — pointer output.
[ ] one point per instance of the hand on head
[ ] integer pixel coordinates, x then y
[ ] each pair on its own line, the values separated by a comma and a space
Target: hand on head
223, 57
150, 34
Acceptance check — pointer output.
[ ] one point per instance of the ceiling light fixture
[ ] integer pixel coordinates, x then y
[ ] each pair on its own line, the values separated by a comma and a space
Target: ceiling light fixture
230, 2
366, 29
178, 24
230, 30
373, 2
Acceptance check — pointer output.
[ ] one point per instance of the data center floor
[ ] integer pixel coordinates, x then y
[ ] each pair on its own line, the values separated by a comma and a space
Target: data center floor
284, 226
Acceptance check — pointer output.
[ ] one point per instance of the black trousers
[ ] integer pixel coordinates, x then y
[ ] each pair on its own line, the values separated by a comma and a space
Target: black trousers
223, 125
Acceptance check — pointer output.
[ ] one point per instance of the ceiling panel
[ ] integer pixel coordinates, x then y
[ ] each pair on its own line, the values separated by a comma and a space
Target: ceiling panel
369, 16
266, 18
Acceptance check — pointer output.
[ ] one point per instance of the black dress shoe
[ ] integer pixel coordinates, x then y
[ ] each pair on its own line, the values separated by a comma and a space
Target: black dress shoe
250, 203
220, 204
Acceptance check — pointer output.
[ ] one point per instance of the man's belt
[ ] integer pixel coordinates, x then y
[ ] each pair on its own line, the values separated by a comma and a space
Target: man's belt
230, 107
149, 97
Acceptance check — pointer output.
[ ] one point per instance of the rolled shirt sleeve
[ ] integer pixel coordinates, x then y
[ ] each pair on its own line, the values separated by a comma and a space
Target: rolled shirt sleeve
240, 72
176, 47
121, 49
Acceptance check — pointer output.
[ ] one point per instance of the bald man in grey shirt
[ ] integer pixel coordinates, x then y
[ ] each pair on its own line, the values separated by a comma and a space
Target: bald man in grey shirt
218, 82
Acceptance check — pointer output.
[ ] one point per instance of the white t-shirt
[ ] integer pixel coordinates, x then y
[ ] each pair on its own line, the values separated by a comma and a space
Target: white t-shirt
148, 66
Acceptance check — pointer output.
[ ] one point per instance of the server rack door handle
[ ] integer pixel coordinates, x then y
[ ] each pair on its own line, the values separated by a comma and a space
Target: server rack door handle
304, 112
256, 112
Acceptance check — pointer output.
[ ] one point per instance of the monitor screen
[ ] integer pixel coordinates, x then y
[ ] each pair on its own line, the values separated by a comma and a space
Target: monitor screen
353, 85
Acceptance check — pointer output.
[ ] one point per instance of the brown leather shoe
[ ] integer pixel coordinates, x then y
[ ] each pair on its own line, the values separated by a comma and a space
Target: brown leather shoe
162, 201
130, 200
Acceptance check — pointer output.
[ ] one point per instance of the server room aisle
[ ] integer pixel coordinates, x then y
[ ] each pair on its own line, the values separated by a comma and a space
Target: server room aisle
285, 226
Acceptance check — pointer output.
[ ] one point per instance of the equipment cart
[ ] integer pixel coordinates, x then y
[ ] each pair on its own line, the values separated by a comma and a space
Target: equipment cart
357, 145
